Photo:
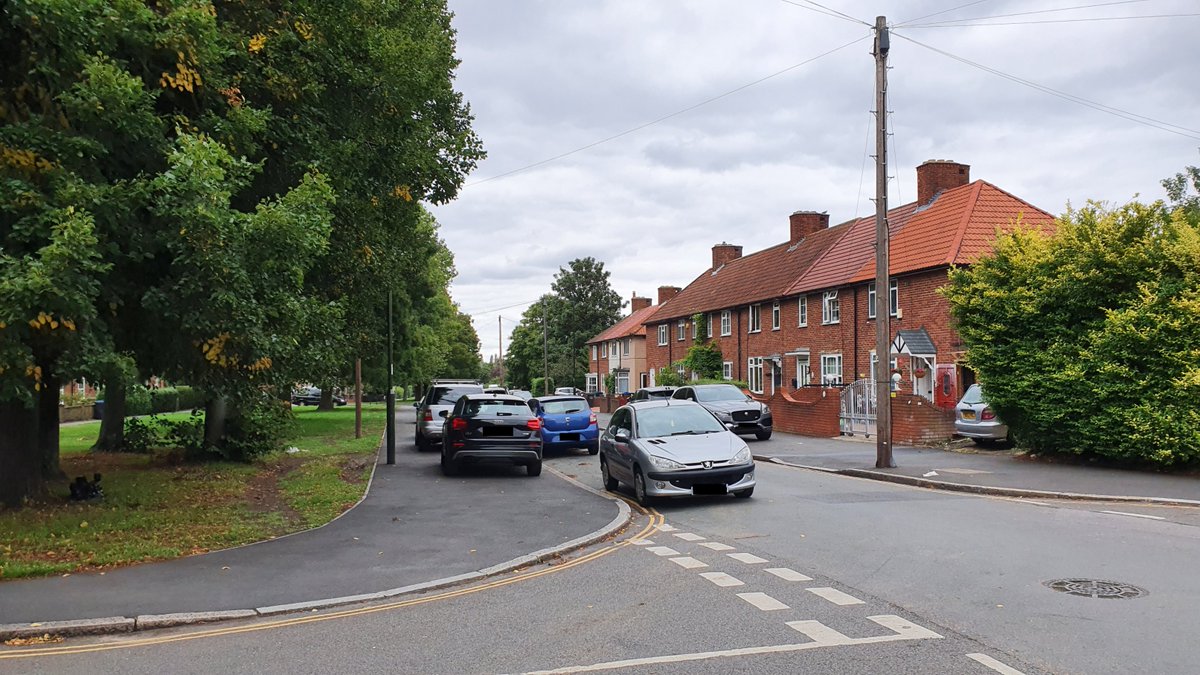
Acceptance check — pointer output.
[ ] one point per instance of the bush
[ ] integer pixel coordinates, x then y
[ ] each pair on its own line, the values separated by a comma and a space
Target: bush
186, 434
260, 428
165, 399
141, 436
137, 401
189, 398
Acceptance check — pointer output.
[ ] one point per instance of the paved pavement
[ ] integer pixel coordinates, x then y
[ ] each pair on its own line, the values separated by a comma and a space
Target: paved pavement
415, 526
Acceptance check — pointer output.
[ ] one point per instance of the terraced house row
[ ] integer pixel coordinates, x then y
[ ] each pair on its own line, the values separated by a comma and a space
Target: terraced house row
796, 321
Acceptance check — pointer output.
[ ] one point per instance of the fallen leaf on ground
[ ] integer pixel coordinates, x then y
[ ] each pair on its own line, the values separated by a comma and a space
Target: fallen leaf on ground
36, 640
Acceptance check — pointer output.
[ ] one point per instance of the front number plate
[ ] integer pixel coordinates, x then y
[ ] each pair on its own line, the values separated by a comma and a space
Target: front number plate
718, 489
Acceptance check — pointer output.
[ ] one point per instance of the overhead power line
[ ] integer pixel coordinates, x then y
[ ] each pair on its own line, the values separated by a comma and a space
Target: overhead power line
827, 11
913, 23
668, 116
1117, 112
1038, 21
944, 11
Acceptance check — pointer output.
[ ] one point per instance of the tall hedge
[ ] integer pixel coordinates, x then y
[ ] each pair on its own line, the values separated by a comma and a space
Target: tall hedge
1087, 340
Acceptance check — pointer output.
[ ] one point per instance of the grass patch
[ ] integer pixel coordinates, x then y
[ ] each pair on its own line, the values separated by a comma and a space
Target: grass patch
157, 507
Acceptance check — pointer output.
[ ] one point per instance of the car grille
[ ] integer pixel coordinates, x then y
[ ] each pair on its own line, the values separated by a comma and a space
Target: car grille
745, 415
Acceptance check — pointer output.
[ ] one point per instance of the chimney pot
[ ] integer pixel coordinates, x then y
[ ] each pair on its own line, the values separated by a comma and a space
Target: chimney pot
804, 223
723, 253
936, 175
637, 304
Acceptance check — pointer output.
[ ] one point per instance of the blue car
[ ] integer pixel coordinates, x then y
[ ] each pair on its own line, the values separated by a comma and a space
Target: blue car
567, 422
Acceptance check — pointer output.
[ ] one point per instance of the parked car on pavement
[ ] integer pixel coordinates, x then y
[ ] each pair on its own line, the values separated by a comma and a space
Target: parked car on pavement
976, 420
567, 422
651, 393
732, 406
523, 394
312, 396
491, 428
567, 391
441, 395
671, 448
494, 389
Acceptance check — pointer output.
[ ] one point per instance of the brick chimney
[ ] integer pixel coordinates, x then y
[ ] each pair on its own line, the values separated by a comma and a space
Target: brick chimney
936, 175
637, 304
723, 253
665, 293
804, 223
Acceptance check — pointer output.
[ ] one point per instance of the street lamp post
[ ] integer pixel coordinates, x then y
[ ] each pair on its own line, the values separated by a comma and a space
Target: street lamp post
391, 393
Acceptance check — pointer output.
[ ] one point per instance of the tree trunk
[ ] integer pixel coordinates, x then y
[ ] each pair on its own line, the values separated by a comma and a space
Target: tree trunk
19, 455
47, 411
112, 421
216, 412
326, 398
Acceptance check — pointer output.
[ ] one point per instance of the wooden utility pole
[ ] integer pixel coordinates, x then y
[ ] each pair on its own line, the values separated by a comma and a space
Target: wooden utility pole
358, 398
500, 356
883, 294
391, 392
545, 356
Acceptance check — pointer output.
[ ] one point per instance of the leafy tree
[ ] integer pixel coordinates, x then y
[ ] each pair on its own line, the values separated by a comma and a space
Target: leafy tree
704, 356
524, 359
1088, 340
586, 304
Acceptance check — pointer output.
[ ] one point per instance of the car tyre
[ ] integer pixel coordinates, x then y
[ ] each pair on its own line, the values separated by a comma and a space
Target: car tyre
594, 448
534, 468
762, 435
611, 484
744, 494
422, 443
639, 487
449, 466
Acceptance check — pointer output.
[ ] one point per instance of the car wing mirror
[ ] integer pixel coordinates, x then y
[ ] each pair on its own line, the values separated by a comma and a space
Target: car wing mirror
730, 426
444, 413
621, 435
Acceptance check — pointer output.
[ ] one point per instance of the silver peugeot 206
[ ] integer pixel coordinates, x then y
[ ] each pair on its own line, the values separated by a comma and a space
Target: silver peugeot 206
673, 448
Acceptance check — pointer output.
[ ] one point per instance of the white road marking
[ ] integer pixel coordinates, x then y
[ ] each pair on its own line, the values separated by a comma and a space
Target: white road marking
930, 474
747, 558
688, 536
662, 550
763, 601
722, 579
904, 627
717, 546
787, 574
1133, 515
820, 634
666, 528
835, 596
819, 629
994, 664
642, 542
688, 563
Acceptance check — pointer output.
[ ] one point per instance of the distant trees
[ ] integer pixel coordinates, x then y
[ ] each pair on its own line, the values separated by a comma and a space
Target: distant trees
1087, 340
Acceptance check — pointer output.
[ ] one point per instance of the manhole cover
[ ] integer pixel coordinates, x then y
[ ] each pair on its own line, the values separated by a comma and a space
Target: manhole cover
1097, 588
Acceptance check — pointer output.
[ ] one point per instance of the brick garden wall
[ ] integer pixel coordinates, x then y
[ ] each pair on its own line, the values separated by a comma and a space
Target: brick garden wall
916, 421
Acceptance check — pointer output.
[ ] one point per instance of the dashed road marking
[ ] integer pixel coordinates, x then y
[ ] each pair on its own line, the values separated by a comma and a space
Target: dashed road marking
749, 558
722, 579
1122, 513
688, 536
688, 563
763, 601
787, 574
642, 542
663, 527
820, 633
994, 664
717, 546
904, 627
835, 596
662, 550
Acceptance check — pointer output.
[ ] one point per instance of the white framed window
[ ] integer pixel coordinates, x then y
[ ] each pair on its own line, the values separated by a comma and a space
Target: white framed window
754, 369
830, 311
662, 334
831, 369
679, 370
893, 298
726, 323
612, 350
594, 352
645, 379
622, 383
593, 381
755, 320
681, 330
625, 346
775, 315
708, 319
604, 349
802, 309
892, 364
727, 370
803, 370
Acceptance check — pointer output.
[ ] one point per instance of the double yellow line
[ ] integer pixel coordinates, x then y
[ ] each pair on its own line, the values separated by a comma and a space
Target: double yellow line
656, 519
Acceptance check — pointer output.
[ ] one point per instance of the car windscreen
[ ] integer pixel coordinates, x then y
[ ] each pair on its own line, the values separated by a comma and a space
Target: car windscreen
499, 407
676, 420
721, 392
565, 406
450, 395
659, 393
974, 395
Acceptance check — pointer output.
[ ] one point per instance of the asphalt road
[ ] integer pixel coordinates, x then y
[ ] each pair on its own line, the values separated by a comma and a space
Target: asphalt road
823, 573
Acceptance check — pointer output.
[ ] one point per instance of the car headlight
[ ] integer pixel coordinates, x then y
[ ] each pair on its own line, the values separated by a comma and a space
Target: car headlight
664, 464
743, 456
723, 416
766, 410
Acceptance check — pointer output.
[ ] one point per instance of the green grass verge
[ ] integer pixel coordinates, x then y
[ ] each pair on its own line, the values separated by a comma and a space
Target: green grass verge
157, 507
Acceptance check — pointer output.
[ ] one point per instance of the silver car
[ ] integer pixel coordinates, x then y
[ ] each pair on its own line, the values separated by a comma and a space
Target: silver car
976, 420
441, 396
673, 448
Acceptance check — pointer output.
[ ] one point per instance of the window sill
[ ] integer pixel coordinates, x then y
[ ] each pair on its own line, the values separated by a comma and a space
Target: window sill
749, 332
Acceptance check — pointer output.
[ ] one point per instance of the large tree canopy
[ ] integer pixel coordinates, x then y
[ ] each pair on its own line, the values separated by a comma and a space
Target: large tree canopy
1088, 340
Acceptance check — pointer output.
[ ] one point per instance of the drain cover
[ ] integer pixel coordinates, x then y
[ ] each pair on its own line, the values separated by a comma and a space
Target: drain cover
1097, 588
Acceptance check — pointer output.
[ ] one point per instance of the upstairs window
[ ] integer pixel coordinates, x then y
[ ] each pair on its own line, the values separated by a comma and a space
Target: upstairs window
830, 311
726, 323
681, 332
662, 334
775, 315
893, 299
802, 306
755, 322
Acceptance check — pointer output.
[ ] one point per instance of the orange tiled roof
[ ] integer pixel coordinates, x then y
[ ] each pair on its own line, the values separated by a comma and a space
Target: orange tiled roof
634, 324
759, 276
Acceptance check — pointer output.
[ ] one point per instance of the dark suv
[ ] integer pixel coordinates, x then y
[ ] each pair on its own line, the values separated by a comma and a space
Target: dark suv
442, 395
742, 414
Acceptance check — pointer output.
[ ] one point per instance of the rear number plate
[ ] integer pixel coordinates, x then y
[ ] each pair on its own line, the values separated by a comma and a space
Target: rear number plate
968, 414
497, 431
568, 437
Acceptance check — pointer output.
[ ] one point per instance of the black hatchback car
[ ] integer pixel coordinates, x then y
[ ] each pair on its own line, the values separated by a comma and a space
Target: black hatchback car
739, 412
491, 428
651, 393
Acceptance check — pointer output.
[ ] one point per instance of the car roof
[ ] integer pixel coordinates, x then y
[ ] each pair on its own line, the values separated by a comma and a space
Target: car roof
659, 388
660, 403
493, 397
559, 397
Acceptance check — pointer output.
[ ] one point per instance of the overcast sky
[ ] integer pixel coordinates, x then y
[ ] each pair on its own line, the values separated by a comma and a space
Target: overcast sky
544, 78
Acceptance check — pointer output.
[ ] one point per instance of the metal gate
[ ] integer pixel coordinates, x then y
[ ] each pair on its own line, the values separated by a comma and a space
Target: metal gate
857, 415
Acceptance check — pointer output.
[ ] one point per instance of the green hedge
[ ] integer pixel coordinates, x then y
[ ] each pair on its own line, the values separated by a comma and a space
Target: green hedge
143, 401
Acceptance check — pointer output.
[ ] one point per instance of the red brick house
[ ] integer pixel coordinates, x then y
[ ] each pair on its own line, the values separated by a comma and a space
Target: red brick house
621, 351
796, 321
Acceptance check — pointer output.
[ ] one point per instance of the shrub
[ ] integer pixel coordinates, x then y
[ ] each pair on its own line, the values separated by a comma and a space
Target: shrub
189, 398
165, 399
260, 428
186, 434
137, 401
141, 436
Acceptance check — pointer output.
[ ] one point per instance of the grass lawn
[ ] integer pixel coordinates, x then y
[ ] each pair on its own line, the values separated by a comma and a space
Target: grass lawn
157, 507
